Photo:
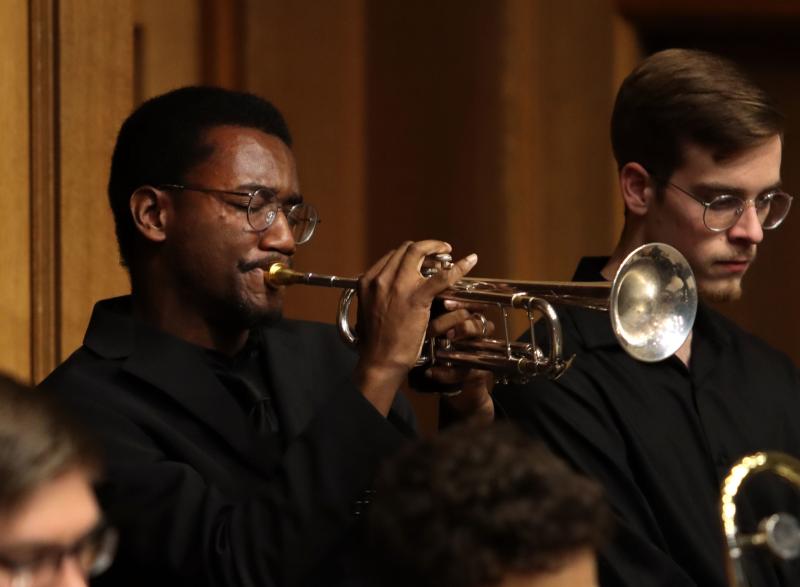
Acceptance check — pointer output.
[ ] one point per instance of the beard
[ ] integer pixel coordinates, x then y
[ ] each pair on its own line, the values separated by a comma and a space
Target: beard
251, 316
716, 289
718, 295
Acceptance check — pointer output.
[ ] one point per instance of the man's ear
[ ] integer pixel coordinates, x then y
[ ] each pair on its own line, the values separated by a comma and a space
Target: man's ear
638, 190
149, 210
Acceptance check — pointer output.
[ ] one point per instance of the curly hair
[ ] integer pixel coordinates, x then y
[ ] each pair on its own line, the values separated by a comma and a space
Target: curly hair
473, 505
680, 96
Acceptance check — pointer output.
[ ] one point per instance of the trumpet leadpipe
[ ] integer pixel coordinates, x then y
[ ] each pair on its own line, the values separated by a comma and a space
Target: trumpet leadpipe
280, 274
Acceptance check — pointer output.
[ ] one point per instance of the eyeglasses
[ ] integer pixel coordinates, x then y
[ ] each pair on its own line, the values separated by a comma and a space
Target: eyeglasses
263, 207
723, 211
40, 567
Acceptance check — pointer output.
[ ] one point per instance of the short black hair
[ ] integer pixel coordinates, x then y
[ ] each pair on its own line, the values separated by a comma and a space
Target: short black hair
162, 140
473, 505
681, 96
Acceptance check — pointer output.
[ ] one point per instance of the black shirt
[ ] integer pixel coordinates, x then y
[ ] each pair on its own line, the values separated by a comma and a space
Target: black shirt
661, 437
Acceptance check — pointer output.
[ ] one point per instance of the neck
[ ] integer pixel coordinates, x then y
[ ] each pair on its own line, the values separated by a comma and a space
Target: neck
631, 238
163, 307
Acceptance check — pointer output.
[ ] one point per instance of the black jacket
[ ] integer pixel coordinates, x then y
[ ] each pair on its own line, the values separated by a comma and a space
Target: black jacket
199, 499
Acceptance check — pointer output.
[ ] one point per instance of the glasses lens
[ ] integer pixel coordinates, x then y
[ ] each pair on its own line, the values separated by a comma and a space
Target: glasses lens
103, 551
723, 211
263, 210
775, 209
303, 219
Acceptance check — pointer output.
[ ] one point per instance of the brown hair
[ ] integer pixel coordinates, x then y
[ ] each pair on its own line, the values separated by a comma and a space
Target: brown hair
681, 96
38, 442
474, 505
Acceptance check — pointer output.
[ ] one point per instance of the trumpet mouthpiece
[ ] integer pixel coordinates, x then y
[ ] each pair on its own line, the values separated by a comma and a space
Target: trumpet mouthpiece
278, 274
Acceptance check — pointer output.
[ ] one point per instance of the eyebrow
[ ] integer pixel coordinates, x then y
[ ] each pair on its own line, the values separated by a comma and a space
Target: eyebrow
720, 189
291, 198
37, 545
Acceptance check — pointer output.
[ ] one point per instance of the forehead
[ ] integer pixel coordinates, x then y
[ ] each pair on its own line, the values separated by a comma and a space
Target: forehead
60, 510
751, 169
241, 156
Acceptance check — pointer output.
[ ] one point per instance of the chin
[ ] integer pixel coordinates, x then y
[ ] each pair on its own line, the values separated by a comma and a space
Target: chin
720, 293
257, 315
247, 312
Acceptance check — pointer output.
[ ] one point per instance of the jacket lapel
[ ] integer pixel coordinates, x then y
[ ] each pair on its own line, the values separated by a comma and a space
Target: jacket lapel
177, 369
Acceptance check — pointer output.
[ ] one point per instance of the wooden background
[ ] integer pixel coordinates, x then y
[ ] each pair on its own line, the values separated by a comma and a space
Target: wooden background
481, 122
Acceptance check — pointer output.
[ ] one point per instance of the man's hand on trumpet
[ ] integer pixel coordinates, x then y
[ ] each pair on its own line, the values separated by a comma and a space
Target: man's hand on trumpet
472, 399
394, 302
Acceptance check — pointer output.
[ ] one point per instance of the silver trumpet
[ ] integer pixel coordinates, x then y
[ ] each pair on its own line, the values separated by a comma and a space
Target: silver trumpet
779, 533
652, 303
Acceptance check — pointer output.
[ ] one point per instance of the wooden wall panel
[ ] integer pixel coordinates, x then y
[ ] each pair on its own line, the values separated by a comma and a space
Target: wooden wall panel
168, 46
15, 341
95, 95
560, 197
308, 58
434, 146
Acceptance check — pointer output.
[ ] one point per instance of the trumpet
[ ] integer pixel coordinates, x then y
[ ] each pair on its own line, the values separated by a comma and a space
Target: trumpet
778, 533
652, 303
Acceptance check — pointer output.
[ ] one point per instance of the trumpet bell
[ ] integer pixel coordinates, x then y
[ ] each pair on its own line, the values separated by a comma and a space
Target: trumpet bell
653, 302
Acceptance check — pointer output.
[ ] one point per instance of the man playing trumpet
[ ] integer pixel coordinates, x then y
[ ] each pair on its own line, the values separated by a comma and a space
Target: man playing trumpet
240, 446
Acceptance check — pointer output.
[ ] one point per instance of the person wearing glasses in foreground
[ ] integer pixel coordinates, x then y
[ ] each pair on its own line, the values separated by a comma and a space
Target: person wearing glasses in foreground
240, 446
698, 147
484, 507
52, 533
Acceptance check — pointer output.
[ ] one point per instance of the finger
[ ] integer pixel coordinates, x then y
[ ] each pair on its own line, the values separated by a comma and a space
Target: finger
441, 324
385, 270
477, 326
465, 304
409, 271
444, 279
460, 324
448, 375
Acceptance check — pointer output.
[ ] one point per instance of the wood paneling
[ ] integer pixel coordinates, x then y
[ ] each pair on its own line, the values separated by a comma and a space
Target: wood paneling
44, 189
223, 30
434, 113
15, 304
308, 58
168, 51
566, 205
95, 95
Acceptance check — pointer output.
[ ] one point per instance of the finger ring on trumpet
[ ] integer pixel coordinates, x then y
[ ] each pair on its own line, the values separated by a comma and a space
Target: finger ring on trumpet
484, 323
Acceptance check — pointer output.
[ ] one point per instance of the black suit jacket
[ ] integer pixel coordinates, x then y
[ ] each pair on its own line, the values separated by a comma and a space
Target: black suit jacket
199, 499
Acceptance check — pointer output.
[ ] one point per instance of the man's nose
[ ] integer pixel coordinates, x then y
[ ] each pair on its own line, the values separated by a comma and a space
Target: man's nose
278, 236
71, 574
747, 226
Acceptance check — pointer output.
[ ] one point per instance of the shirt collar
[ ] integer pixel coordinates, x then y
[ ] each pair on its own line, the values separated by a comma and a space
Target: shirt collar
593, 326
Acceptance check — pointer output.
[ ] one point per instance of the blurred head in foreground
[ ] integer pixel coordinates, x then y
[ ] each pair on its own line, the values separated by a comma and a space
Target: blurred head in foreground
485, 507
51, 530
